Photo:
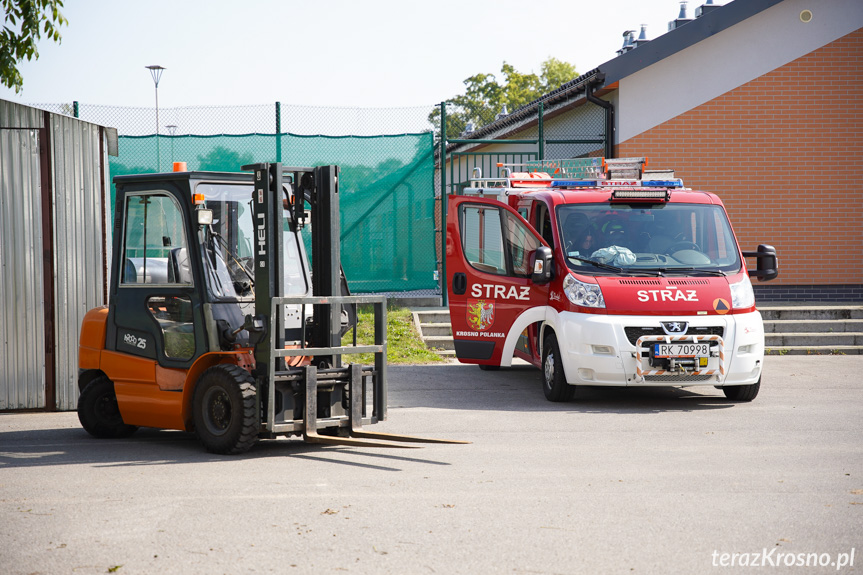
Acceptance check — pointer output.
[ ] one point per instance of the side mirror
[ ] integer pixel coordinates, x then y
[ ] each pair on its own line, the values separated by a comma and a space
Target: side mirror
205, 217
543, 268
768, 264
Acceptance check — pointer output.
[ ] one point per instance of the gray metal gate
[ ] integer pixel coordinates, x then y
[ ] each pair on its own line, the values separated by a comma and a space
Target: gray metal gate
22, 325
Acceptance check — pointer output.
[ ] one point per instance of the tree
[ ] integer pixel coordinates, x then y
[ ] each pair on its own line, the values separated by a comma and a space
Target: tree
221, 159
485, 97
24, 22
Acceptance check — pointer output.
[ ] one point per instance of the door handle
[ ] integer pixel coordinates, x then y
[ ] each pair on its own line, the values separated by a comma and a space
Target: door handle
459, 283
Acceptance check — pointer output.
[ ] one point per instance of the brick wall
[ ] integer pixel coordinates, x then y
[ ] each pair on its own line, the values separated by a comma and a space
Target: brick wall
785, 154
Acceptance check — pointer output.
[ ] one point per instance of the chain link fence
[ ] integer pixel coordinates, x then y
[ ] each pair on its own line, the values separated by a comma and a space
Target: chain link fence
392, 212
385, 155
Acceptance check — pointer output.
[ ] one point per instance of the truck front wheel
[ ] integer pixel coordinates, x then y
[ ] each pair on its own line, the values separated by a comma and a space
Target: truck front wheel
224, 412
742, 392
553, 379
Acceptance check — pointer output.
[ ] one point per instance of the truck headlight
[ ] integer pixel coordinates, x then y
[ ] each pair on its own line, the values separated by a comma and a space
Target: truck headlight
583, 294
742, 295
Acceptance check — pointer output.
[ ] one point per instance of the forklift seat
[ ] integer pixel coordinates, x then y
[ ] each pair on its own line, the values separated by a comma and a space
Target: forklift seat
179, 271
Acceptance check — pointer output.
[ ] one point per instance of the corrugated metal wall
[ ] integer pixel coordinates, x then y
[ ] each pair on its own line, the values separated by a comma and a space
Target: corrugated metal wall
79, 274
78, 170
22, 325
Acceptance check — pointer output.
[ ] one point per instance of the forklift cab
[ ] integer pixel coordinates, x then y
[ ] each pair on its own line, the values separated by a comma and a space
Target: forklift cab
184, 278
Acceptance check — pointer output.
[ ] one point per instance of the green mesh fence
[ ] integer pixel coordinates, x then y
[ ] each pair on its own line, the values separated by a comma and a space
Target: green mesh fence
386, 187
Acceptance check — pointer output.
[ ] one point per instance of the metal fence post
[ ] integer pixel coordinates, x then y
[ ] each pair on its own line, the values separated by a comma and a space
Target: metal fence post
443, 203
541, 136
278, 131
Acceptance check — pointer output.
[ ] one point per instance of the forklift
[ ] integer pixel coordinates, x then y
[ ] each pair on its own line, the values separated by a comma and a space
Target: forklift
217, 324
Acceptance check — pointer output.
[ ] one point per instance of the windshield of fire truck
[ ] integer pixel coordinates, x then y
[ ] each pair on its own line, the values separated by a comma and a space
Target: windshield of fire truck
647, 238
229, 261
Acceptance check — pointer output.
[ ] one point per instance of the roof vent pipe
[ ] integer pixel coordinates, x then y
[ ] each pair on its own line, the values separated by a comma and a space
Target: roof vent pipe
642, 38
682, 18
706, 8
628, 37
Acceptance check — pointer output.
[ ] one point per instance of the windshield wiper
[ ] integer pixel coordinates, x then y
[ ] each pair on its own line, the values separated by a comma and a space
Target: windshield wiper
690, 270
233, 256
616, 269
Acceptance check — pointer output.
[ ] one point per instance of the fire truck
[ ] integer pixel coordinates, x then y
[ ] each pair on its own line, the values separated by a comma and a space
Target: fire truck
601, 272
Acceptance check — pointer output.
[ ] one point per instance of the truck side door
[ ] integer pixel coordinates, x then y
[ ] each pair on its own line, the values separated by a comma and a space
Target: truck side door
490, 255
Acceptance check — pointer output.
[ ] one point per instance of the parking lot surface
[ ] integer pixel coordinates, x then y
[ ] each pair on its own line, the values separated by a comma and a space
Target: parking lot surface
618, 481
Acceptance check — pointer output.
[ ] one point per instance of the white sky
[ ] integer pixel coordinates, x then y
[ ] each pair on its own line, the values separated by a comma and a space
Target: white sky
338, 53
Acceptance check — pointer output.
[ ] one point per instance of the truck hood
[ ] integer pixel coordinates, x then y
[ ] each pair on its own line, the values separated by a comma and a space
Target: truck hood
664, 296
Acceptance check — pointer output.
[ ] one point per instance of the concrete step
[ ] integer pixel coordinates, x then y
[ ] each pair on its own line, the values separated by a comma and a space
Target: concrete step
814, 350
433, 315
814, 312
437, 329
813, 326
817, 339
440, 342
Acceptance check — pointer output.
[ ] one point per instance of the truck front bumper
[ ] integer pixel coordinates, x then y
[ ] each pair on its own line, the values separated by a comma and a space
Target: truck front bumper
602, 349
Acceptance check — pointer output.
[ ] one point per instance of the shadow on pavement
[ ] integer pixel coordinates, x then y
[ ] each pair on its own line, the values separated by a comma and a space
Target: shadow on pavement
519, 388
71, 446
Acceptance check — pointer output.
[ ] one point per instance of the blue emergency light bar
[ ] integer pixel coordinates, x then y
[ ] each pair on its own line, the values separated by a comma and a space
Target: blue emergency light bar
675, 183
575, 183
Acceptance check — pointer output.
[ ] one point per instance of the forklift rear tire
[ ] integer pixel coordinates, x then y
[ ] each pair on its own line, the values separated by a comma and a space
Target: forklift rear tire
224, 413
553, 379
98, 411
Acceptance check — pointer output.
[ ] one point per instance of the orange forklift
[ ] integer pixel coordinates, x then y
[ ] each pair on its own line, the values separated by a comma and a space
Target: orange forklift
216, 324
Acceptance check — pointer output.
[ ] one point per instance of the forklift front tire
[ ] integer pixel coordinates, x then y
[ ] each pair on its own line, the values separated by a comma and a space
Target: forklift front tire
224, 413
98, 411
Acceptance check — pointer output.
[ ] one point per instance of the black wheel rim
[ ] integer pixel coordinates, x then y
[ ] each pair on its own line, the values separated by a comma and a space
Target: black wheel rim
217, 411
107, 410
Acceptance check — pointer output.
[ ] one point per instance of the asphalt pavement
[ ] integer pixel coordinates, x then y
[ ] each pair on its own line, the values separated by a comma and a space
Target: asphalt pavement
635, 481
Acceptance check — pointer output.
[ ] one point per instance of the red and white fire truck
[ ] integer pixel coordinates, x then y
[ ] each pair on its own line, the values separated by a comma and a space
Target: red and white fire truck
603, 273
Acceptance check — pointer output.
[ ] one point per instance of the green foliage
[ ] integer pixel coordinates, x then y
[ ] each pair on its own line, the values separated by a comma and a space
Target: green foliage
485, 97
221, 159
403, 342
24, 22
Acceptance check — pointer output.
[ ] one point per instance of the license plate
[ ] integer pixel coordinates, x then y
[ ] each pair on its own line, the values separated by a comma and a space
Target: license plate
681, 350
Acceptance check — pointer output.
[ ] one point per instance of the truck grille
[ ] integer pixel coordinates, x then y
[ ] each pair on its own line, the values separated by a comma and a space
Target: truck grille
633, 333
681, 379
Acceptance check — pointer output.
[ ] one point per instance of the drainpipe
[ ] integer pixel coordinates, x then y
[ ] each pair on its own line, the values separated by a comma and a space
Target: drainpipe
609, 119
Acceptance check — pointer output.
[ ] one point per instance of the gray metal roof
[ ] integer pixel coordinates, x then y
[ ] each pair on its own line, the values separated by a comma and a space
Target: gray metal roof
647, 54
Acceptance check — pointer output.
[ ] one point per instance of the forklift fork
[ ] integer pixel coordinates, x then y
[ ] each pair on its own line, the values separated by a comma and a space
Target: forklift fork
358, 437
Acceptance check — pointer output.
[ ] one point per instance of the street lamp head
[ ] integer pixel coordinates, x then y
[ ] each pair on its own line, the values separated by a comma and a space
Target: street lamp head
156, 72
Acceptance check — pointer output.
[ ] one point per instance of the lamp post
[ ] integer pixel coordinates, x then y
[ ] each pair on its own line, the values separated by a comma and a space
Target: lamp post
156, 72
173, 128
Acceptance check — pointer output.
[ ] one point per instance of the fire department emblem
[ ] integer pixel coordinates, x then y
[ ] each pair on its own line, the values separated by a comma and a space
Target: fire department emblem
480, 314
